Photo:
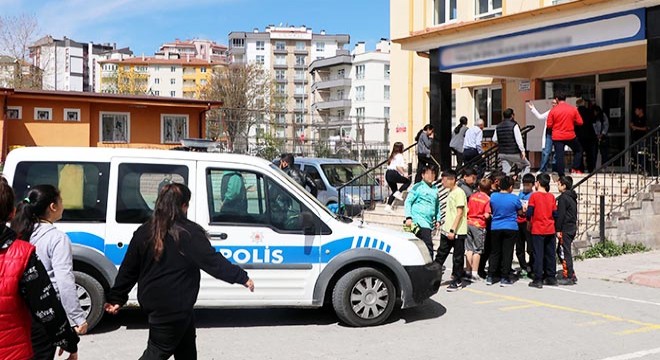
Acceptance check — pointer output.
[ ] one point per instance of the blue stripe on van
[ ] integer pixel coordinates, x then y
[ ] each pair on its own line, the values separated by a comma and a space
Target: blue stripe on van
250, 254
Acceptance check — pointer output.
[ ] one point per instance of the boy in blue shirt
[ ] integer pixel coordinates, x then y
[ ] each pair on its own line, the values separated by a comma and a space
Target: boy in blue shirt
423, 206
504, 231
524, 235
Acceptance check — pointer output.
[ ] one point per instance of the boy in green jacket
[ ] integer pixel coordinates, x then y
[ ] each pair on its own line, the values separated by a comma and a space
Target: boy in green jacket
423, 207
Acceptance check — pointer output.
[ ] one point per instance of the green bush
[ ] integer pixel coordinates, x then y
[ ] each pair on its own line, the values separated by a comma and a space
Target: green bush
608, 248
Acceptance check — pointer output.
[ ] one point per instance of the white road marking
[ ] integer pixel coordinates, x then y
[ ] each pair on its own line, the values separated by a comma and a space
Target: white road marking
603, 296
635, 355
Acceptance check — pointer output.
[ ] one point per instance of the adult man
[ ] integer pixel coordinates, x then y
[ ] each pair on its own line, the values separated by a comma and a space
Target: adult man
472, 144
286, 164
546, 141
511, 147
638, 125
586, 135
561, 121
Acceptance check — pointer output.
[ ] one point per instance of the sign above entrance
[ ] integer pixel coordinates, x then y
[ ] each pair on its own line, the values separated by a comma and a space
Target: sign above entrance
577, 35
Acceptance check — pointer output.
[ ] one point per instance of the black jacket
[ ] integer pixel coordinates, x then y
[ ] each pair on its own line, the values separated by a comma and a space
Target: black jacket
301, 178
168, 289
566, 212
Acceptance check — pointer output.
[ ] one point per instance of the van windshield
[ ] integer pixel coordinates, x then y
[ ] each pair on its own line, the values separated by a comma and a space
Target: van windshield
340, 174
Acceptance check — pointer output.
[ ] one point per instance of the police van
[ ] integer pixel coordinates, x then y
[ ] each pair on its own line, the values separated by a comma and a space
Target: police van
298, 253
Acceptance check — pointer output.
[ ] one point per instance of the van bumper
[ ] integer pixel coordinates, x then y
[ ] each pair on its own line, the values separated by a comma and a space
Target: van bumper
425, 280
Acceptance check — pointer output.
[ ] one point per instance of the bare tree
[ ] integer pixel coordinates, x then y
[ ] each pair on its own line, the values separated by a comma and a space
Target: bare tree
16, 35
245, 90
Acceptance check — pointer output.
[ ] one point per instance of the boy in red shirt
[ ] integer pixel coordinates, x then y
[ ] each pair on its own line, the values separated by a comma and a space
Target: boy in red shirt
541, 213
478, 212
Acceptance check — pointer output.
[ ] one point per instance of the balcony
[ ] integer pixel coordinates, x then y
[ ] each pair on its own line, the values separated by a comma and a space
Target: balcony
301, 95
304, 51
300, 80
280, 65
333, 61
331, 83
331, 104
280, 51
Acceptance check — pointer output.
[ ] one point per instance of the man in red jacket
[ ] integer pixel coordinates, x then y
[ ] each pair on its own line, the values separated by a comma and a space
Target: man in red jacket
561, 121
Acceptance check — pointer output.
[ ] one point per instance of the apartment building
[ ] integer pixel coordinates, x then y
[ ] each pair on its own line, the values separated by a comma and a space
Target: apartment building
171, 76
196, 48
474, 58
69, 65
351, 95
286, 52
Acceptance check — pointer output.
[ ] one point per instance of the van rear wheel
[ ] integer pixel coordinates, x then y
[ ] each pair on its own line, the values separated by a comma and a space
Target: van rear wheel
91, 296
364, 297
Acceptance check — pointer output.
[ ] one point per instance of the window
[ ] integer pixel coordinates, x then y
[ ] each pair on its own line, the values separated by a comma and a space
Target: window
138, 187
386, 92
71, 115
173, 81
359, 93
386, 112
300, 74
238, 43
247, 198
202, 69
115, 127
280, 45
444, 11
141, 69
341, 73
261, 45
157, 68
156, 81
300, 59
340, 94
299, 118
339, 174
172, 68
359, 72
300, 104
488, 8
45, 114
280, 118
157, 93
280, 74
340, 114
359, 113
386, 74
173, 128
261, 59
83, 186
280, 59
488, 105
314, 174
320, 46
203, 82
300, 45
280, 89
300, 89
173, 93
14, 112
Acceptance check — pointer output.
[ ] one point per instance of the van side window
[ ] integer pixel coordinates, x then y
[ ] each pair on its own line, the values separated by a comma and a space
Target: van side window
314, 175
236, 197
83, 186
247, 198
138, 187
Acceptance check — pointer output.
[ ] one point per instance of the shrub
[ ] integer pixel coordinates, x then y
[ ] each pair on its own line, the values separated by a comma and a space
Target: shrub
608, 248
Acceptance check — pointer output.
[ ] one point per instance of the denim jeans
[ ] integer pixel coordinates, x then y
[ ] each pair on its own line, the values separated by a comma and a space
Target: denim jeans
545, 155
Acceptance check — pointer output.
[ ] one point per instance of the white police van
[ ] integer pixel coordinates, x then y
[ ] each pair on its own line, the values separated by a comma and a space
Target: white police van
297, 252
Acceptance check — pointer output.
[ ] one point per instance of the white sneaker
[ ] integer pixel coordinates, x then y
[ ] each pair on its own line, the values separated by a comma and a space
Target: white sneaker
388, 208
398, 195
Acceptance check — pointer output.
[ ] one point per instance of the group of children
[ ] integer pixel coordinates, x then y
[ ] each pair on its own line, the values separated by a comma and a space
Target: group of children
486, 224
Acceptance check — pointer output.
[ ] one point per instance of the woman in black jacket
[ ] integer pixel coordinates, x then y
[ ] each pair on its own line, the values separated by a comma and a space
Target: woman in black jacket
164, 258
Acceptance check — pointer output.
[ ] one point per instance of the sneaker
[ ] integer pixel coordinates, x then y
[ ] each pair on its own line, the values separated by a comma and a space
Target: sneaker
506, 283
398, 195
491, 280
467, 277
536, 284
565, 282
388, 209
453, 286
475, 279
550, 282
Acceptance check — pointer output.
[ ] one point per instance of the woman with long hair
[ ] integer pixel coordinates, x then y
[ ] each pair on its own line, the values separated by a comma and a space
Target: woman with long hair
396, 174
164, 258
457, 139
35, 215
27, 296
424, 140
601, 127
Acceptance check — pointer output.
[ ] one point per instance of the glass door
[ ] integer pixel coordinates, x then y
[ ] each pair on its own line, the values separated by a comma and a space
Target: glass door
613, 99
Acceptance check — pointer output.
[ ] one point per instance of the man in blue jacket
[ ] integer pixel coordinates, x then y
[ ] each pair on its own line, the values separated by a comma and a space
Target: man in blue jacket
423, 207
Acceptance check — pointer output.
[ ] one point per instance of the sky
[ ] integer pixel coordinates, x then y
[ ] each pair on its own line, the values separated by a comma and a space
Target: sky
144, 25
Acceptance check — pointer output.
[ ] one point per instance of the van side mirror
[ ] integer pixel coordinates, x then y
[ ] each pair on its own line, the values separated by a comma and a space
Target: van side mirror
309, 224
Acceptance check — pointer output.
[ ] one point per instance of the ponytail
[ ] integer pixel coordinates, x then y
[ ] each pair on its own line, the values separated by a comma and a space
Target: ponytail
168, 211
33, 208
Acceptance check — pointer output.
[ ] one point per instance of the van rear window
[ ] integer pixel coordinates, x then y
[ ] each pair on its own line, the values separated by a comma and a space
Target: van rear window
83, 186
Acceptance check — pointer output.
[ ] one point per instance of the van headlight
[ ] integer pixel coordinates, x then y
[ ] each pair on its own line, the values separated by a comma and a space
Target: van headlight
423, 250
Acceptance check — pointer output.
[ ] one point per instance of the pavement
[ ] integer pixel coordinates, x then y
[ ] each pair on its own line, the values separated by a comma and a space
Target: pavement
641, 269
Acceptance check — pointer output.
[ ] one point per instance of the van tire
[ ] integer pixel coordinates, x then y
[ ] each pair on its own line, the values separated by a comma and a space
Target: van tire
367, 290
91, 296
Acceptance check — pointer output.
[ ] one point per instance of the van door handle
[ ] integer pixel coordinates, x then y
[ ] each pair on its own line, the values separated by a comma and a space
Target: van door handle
221, 236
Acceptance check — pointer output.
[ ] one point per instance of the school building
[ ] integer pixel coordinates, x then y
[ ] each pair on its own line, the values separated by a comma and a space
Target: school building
477, 57
67, 118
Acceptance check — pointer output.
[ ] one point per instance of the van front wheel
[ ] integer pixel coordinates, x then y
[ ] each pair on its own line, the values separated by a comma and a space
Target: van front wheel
364, 297
91, 296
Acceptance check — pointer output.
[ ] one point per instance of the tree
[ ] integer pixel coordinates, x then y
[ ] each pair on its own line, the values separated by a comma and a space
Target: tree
126, 82
16, 35
245, 90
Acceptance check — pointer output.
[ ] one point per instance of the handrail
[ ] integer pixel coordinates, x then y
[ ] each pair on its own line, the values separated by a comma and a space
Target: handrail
617, 157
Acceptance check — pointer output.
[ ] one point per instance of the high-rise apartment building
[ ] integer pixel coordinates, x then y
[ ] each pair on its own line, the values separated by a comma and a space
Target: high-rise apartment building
286, 53
69, 65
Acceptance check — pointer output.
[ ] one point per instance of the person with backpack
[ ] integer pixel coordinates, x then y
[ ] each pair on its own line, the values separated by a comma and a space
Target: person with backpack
424, 140
457, 140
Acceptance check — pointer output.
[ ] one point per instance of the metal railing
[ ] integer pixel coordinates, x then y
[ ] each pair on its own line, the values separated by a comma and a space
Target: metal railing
605, 193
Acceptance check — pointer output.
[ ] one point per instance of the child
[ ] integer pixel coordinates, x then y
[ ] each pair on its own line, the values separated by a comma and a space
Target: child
541, 211
478, 212
566, 227
495, 178
423, 207
504, 228
454, 230
524, 236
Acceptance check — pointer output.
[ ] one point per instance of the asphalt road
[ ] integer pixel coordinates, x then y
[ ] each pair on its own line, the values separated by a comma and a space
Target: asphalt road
596, 319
